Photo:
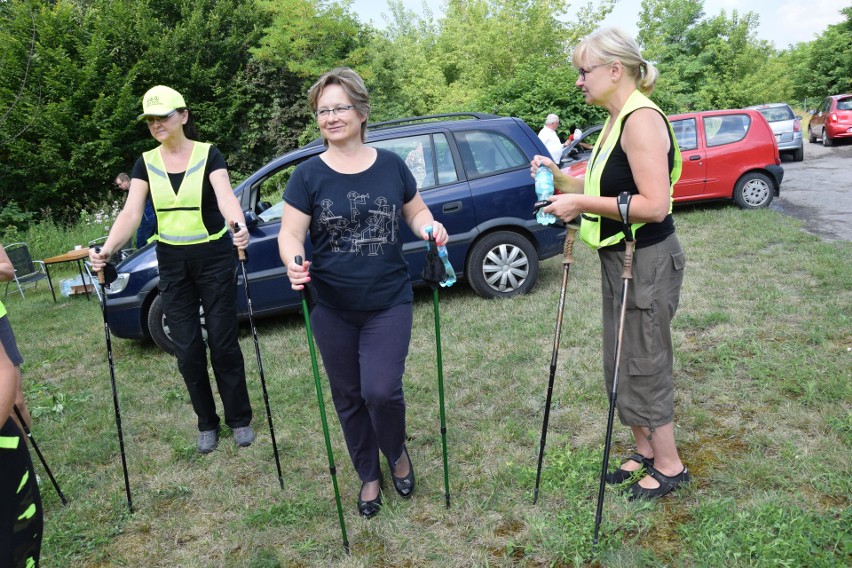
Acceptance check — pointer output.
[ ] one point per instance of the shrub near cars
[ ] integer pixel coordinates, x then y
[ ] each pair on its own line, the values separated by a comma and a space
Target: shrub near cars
473, 173
832, 121
727, 154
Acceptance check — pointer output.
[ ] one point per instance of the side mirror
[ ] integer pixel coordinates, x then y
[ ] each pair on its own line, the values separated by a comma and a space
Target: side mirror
251, 218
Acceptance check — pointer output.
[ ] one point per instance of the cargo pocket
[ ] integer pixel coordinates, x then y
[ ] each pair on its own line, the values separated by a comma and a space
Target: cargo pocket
647, 384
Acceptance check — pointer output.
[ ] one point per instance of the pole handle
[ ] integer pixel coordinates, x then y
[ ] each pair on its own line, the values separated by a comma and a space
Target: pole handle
241, 253
568, 248
101, 276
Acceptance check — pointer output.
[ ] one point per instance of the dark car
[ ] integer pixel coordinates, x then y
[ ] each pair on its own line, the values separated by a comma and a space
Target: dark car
727, 154
832, 121
472, 171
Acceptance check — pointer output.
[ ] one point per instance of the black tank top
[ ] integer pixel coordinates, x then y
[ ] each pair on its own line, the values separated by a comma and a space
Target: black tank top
617, 177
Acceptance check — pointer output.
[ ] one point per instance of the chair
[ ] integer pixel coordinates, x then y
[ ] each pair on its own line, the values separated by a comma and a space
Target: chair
27, 271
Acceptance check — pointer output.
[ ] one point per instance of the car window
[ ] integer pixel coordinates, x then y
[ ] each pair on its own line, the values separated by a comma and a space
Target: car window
726, 128
416, 152
485, 153
844, 104
444, 162
777, 114
685, 134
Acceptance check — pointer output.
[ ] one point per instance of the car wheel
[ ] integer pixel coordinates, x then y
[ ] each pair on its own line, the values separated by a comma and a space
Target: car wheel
826, 141
811, 136
158, 326
798, 155
753, 191
502, 265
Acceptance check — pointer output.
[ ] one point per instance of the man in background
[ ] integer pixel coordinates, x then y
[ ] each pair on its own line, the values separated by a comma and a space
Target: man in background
148, 225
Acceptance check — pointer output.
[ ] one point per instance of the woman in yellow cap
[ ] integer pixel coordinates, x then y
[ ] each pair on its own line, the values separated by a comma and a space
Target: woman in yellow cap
195, 206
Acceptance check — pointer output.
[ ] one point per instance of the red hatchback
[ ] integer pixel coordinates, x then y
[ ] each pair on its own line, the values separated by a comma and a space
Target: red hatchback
832, 121
727, 154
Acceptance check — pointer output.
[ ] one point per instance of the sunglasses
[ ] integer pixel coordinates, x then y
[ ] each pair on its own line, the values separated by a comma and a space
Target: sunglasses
155, 119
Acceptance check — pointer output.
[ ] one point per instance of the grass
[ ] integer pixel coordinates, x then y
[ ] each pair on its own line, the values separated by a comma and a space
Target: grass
763, 420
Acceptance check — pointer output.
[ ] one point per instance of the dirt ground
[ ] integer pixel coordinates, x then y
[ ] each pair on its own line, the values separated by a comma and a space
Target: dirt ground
818, 190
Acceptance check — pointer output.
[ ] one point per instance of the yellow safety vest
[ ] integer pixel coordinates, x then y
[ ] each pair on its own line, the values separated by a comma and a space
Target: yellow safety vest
179, 220
590, 225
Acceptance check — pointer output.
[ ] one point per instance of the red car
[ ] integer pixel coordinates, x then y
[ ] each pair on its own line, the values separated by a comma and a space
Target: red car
832, 121
727, 154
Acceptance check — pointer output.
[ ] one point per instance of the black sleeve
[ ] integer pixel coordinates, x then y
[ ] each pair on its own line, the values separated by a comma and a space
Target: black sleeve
139, 170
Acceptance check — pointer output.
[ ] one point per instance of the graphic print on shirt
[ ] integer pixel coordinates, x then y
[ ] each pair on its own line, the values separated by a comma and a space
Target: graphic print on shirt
369, 229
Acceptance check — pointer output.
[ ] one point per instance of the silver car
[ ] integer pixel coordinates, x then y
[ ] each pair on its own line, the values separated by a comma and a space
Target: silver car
786, 126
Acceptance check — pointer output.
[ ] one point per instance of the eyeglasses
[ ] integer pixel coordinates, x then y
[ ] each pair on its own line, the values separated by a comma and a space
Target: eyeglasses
341, 110
584, 72
153, 119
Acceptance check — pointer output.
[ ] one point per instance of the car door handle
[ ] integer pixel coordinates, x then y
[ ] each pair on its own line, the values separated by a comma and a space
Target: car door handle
694, 158
452, 207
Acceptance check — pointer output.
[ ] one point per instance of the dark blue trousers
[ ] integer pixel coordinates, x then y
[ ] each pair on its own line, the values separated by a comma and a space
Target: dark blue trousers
364, 356
210, 280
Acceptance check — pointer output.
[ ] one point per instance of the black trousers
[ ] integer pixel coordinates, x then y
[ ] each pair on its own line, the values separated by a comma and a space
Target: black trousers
21, 521
208, 279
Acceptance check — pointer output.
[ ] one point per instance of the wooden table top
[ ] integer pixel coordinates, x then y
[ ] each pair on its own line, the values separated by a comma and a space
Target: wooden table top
75, 254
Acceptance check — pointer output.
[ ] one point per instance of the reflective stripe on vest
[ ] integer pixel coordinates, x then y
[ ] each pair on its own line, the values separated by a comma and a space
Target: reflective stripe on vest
179, 220
590, 225
2, 310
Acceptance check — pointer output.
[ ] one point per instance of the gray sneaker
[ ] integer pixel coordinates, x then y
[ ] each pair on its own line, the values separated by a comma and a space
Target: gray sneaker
243, 436
207, 441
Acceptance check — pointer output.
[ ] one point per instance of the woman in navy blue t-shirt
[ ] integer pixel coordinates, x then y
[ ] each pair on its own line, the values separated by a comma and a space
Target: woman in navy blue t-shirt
352, 198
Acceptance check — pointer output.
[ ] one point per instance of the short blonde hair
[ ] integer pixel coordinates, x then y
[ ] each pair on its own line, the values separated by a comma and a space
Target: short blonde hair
352, 84
608, 45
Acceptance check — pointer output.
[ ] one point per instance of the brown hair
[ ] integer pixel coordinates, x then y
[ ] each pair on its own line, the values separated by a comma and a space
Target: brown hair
352, 84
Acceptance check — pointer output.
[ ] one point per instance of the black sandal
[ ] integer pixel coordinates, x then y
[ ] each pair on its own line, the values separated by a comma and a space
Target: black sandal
621, 475
667, 484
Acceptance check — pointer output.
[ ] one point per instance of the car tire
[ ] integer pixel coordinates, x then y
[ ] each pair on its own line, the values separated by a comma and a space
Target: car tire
502, 265
158, 327
811, 136
798, 155
753, 191
826, 141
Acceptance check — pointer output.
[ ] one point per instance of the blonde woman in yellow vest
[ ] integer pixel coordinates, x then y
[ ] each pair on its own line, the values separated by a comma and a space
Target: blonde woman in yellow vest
636, 152
195, 206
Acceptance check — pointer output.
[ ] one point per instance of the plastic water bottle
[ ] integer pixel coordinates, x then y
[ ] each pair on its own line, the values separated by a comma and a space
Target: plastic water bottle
544, 189
450, 277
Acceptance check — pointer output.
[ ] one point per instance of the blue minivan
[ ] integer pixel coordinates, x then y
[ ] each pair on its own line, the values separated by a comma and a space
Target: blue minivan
472, 170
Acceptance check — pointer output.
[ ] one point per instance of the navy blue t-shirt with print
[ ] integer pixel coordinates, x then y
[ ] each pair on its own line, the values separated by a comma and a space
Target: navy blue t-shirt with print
357, 261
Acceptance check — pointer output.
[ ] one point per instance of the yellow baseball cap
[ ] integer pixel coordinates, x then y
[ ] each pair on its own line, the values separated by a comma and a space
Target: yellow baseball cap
160, 101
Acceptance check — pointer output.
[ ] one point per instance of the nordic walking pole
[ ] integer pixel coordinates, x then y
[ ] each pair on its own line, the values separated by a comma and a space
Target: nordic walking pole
567, 260
104, 284
448, 280
241, 255
315, 368
626, 275
41, 457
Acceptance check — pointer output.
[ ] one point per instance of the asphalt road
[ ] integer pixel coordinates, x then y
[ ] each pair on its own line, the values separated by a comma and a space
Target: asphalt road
818, 190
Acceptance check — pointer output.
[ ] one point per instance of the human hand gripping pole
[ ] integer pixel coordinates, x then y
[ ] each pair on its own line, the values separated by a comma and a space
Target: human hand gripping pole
241, 255
321, 404
626, 275
106, 276
567, 260
439, 272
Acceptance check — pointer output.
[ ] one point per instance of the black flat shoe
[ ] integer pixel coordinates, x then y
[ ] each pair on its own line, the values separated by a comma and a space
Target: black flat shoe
621, 475
667, 485
370, 508
404, 485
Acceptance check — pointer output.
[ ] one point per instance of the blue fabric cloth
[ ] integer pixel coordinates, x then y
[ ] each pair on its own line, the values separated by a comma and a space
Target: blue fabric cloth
148, 226
357, 263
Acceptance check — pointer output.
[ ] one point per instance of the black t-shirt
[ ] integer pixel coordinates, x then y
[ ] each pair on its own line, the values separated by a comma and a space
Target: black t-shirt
357, 261
617, 177
210, 214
